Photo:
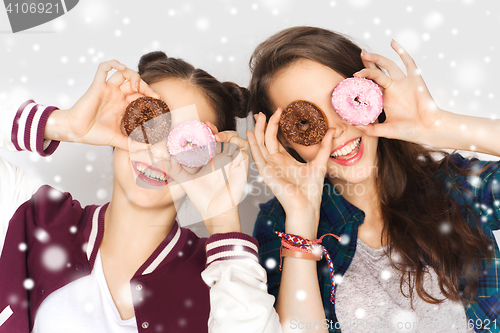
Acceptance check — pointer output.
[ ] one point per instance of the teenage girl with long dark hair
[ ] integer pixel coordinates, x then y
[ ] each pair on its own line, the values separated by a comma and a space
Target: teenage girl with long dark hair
417, 250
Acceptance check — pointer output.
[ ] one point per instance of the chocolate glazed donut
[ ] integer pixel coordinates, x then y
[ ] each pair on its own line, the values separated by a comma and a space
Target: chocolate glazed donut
303, 123
146, 113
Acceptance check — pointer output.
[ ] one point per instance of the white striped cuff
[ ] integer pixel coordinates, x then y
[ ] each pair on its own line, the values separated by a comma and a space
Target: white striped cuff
28, 128
232, 245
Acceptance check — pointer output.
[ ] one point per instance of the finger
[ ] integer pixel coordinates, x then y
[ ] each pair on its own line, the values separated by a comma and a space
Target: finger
145, 89
385, 130
325, 149
255, 150
103, 69
131, 98
117, 79
411, 67
242, 157
213, 128
260, 128
368, 64
121, 142
227, 136
376, 75
237, 142
127, 89
271, 134
176, 171
394, 71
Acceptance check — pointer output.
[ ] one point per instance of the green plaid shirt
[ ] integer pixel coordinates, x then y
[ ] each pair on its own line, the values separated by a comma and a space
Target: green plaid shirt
339, 217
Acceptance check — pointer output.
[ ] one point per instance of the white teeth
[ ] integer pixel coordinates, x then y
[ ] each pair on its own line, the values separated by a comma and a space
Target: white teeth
347, 149
152, 174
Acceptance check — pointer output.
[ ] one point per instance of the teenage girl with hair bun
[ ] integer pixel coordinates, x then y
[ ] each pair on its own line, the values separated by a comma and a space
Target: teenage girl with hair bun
417, 249
127, 266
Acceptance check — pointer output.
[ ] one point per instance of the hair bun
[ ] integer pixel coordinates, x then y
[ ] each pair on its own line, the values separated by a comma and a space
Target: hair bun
150, 58
240, 98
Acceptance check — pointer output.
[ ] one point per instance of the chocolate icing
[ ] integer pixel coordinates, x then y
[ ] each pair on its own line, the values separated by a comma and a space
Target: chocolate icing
146, 113
303, 123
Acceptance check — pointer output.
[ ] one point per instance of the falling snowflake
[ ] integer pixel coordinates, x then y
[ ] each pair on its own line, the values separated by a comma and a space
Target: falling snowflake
344, 239
445, 227
28, 284
54, 258
271, 263
42, 235
301, 295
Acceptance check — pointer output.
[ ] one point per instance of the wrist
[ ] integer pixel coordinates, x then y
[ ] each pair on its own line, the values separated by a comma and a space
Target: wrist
223, 223
302, 224
57, 126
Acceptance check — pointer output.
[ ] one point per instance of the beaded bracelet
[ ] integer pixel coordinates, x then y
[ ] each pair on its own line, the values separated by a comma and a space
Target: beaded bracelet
309, 249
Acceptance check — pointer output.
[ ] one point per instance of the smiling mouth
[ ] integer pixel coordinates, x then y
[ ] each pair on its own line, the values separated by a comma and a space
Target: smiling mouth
149, 173
348, 151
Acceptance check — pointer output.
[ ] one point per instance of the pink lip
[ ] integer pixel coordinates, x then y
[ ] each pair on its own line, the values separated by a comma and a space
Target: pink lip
149, 180
352, 160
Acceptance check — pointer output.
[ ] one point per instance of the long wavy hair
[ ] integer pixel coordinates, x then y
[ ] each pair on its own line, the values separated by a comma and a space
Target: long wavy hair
414, 202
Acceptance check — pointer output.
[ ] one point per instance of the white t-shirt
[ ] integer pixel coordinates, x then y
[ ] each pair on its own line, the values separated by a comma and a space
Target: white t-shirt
84, 305
369, 300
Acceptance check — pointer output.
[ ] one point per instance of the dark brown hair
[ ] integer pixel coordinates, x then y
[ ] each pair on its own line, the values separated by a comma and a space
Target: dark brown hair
414, 202
227, 98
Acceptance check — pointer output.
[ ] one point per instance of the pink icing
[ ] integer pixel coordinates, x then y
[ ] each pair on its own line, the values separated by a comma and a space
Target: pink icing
192, 143
357, 100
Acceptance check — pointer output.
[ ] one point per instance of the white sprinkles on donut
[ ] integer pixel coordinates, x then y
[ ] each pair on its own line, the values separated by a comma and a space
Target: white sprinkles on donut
357, 100
192, 143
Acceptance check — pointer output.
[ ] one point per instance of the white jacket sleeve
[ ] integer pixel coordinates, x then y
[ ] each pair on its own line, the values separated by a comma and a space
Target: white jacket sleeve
22, 127
239, 301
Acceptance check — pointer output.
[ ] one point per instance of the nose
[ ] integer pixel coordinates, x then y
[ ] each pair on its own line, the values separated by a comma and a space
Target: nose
337, 123
159, 150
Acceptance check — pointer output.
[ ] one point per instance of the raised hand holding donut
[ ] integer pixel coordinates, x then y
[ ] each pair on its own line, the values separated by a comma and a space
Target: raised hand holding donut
298, 186
96, 117
411, 113
217, 188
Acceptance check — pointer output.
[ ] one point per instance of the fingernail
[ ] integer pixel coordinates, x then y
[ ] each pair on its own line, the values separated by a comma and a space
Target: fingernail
231, 149
235, 162
363, 52
137, 86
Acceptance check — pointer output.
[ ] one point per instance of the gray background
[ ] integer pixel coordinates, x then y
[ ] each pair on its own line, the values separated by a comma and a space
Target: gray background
454, 42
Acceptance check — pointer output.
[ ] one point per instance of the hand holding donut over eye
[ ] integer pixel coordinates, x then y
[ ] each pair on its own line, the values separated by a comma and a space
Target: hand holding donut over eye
298, 186
411, 113
96, 117
218, 187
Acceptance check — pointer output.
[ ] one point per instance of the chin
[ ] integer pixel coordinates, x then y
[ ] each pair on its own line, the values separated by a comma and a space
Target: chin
146, 199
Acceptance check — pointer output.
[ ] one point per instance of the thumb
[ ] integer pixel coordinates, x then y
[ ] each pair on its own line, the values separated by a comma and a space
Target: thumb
176, 171
121, 142
325, 149
379, 130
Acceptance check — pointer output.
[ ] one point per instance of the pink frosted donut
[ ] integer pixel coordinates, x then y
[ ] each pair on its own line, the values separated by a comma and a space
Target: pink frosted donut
358, 100
192, 143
